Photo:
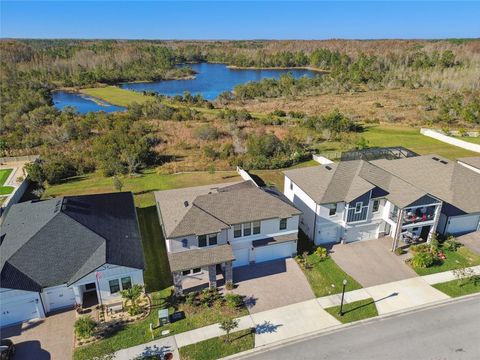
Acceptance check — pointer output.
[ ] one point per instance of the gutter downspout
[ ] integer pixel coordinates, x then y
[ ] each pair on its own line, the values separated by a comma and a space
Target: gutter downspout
315, 223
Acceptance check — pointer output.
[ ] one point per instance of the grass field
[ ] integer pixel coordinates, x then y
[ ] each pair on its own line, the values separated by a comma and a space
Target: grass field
4, 174
142, 186
412, 139
354, 311
115, 95
454, 289
217, 348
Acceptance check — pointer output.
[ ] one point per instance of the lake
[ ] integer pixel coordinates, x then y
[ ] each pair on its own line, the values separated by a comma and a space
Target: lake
213, 79
82, 103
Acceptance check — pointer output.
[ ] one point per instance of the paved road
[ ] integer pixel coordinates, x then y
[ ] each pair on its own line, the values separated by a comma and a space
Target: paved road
450, 332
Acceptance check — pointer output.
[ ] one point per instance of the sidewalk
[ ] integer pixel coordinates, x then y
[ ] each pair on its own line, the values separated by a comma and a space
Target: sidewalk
308, 316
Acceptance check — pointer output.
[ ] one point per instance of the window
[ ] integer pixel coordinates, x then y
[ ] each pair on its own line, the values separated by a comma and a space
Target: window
358, 207
212, 239
202, 240
247, 229
376, 205
114, 286
196, 270
332, 209
283, 224
256, 227
184, 243
126, 283
237, 230
186, 272
90, 286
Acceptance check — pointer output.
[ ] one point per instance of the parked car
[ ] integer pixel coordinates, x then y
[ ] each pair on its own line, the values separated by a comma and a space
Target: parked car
7, 349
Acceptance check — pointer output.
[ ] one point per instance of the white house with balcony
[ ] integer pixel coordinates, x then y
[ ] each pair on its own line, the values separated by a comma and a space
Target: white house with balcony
359, 200
215, 228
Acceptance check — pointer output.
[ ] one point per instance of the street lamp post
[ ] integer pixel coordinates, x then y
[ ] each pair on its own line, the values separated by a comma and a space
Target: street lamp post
343, 295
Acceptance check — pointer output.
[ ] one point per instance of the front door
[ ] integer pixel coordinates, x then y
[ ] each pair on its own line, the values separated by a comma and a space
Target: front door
424, 232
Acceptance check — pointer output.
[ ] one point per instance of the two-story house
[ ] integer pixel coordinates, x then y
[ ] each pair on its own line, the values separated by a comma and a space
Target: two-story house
359, 200
225, 226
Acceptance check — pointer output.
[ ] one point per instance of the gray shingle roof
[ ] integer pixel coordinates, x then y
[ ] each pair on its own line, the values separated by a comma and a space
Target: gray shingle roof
191, 259
472, 161
59, 241
403, 180
210, 209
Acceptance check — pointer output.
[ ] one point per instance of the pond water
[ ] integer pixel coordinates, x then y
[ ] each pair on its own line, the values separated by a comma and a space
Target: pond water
213, 79
82, 103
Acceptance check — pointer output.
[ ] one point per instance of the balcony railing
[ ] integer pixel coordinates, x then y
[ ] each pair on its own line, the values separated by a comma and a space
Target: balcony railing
417, 216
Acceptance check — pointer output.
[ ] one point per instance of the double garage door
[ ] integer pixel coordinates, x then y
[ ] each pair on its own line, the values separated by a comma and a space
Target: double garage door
264, 253
462, 224
19, 310
358, 233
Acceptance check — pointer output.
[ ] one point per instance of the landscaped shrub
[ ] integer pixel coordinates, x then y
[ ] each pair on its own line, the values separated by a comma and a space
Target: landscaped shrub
84, 327
229, 285
434, 245
399, 251
420, 248
422, 260
451, 244
233, 301
321, 252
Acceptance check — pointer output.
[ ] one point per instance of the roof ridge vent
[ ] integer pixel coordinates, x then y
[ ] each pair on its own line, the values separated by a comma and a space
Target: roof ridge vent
328, 167
444, 162
435, 158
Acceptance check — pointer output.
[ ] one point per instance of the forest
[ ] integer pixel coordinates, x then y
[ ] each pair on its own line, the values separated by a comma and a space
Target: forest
260, 125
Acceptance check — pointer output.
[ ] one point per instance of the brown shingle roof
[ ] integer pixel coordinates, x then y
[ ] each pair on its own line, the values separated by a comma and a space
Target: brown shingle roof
191, 259
210, 209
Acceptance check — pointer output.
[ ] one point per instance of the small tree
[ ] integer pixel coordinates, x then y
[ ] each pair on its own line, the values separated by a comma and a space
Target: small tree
227, 325
131, 296
117, 183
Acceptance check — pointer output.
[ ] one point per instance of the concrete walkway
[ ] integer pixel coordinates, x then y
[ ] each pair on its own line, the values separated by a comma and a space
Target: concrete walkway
157, 347
309, 316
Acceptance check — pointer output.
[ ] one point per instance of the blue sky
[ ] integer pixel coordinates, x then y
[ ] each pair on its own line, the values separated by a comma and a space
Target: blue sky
239, 20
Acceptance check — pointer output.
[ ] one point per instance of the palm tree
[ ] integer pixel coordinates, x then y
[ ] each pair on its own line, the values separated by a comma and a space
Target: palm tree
131, 296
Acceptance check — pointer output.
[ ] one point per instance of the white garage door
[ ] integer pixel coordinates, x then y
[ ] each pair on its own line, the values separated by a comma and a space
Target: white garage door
361, 233
58, 298
327, 235
19, 311
241, 257
462, 224
273, 252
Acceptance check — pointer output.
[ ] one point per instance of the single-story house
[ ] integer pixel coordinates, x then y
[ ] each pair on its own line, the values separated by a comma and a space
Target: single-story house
55, 252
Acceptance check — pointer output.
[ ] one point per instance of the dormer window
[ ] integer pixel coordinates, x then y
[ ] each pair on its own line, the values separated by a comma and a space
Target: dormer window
184, 243
202, 240
376, 205
283, 224
332, 209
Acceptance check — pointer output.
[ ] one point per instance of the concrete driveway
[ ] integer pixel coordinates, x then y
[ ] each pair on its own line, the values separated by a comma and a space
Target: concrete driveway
271, 284
471, 241
371, 262
51, 338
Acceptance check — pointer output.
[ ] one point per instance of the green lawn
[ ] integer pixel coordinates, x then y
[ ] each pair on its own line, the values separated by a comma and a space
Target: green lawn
461, 258
412, 139
142, 186
157, 274
354, 311
115, 95
139, 333
454, 289
217, 348
4, 174
325, 276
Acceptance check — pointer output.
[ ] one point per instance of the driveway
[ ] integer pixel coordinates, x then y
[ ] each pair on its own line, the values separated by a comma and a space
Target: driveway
51, 338
371, 262
471, 241
272, 284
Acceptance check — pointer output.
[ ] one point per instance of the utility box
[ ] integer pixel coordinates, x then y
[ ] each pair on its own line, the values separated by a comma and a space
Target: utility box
163, 318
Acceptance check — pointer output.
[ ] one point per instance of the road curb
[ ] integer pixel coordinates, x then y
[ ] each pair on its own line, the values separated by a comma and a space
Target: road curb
336, 328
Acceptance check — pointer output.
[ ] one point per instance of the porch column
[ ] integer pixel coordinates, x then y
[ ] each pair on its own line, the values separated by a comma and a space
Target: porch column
436, 218
78, 294
228, 273
177, 283
212, 276
398, 230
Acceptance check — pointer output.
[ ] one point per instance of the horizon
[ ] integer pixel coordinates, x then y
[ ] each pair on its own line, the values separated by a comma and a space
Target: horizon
228, 21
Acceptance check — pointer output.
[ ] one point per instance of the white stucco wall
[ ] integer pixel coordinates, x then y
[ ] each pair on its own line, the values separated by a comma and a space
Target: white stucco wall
304, 203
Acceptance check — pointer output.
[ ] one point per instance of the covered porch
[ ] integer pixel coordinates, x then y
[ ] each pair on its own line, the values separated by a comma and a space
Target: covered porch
200, 268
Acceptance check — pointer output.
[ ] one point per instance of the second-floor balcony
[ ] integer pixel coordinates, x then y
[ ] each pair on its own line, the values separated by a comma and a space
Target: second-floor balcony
418, 215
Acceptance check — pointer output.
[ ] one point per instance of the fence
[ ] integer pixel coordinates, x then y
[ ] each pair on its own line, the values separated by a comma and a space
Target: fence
450, 140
